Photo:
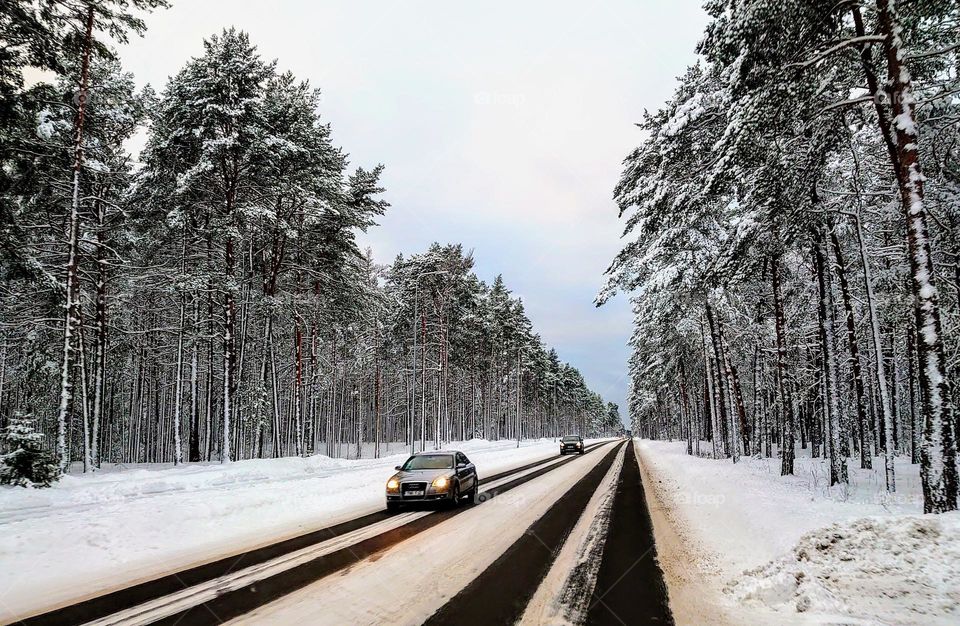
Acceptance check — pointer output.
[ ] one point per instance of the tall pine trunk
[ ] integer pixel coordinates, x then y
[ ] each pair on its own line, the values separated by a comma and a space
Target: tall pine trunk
838, 466
938, 469
784, 399
860, 395
229, 345
70, 282
719, 385
100, 338
194, 443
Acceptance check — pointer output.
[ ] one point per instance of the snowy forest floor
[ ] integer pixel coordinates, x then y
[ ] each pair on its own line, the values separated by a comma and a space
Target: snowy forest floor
94, 533
742, 544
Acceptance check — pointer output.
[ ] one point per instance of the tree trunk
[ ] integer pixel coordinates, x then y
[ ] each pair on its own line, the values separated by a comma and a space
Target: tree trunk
938, 468
838, 466
100, 338
178, 387
73, 230
714, 416
915, 427
757, 408
718, 381
229, 345
860, 396
194, 443
784, 400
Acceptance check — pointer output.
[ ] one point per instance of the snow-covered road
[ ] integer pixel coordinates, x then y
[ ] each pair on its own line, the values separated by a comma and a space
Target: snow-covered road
93, 534
552, 540
412, 580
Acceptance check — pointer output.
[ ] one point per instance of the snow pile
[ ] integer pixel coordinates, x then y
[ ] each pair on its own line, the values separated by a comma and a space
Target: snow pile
885, 570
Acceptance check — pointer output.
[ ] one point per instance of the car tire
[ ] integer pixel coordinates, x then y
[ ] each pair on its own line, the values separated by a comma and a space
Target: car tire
581, 451
455, 496
393, 507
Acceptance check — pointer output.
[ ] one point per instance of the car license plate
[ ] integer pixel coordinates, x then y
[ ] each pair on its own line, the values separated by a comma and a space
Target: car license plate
414, 493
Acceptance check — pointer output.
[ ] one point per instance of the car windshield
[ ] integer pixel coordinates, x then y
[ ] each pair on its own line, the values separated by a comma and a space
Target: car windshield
571, 439
429, 462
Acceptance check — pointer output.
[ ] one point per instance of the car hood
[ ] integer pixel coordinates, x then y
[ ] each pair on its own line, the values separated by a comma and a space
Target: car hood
426, 475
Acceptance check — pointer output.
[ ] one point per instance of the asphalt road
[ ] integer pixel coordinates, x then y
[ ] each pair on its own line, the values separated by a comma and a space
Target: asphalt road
500, 594
626, 588
225, 602
630, 588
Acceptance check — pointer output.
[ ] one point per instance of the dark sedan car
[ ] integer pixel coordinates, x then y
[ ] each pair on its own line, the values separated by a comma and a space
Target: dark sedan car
571, 443
440, 476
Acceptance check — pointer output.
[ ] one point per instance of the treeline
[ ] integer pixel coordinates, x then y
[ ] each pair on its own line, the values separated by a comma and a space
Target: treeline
207, 299
794, 271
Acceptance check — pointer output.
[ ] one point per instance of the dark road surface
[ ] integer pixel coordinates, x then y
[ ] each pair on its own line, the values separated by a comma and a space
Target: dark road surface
630, 587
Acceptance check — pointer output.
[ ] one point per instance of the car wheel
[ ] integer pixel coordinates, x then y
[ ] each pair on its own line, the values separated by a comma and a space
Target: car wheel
581, 450
455, 498
393, 507
472, 494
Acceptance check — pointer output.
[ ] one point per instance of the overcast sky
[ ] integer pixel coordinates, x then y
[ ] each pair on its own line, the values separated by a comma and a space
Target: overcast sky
502, 125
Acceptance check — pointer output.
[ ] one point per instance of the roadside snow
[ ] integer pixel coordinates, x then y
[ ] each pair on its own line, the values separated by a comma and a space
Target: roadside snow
796, 548
898, 569
92, 534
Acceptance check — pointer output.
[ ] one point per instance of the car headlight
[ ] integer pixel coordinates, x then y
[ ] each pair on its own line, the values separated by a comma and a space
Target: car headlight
441, 483
579, 444
393, 484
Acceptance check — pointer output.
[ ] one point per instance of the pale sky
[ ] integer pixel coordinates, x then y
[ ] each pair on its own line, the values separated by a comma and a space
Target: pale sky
502, 126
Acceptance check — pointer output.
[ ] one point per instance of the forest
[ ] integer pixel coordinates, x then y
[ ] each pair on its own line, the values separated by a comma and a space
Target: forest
206, 298
791, 242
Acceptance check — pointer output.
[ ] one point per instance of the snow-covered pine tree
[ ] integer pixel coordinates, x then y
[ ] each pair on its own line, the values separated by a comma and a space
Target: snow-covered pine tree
25, 462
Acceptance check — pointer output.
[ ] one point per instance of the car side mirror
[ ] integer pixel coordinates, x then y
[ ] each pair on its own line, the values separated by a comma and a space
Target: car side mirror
397, 467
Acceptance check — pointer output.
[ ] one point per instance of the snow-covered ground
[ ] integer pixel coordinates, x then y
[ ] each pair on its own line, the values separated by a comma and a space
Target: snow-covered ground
794, 549
95, 533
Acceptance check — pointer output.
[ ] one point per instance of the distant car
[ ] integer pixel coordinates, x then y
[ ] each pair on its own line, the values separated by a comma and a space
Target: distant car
445, 476
571, 443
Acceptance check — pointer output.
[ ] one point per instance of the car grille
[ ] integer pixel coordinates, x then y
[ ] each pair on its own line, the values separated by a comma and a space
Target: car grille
405, 487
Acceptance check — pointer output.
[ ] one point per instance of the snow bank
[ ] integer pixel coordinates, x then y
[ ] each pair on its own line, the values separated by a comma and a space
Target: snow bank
755, 534
900, 569
93, 533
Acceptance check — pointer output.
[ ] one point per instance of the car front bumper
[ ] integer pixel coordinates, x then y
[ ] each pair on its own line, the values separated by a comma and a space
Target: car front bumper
430, 494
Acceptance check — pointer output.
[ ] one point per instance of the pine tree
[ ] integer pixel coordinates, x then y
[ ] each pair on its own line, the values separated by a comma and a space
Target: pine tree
26, 463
